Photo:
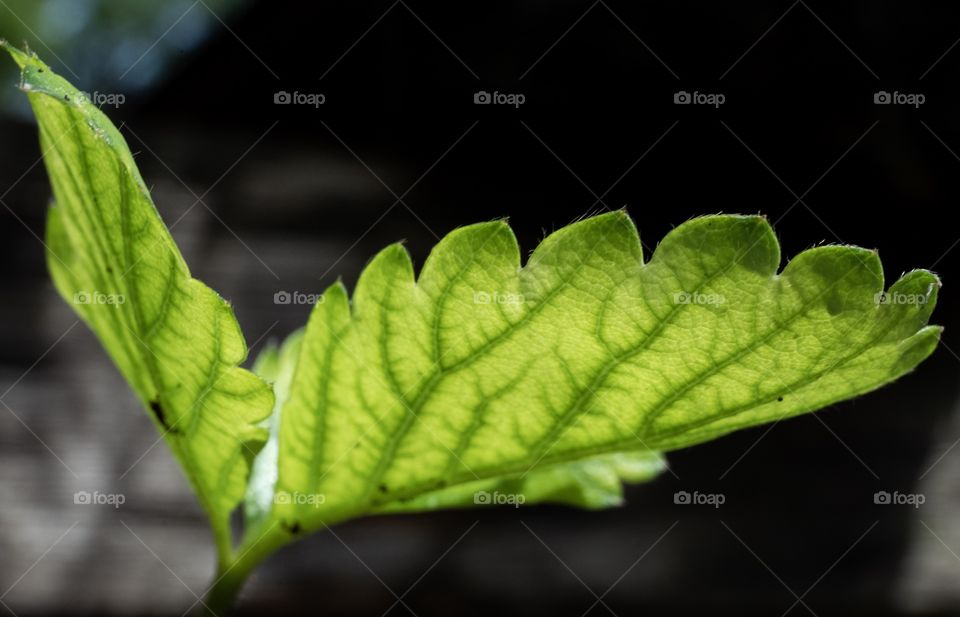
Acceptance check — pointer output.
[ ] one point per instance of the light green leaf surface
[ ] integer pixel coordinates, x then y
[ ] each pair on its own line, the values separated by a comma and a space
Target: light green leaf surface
276, 366
176, 341
592, 483
480, 374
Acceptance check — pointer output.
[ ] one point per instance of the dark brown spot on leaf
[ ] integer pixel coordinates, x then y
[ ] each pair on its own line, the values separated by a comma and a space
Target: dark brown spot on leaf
157, 410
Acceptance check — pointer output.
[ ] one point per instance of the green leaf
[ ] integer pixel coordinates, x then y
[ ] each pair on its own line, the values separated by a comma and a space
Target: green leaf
176, 341
276, 366
483, 375
478, 382
593, 483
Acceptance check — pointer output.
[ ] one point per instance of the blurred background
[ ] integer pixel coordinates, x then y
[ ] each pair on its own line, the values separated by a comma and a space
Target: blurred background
286, 142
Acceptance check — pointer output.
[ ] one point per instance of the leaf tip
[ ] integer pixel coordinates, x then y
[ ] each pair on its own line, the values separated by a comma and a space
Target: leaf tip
747, 240
397, 252
336, 292
22, 57
391, 262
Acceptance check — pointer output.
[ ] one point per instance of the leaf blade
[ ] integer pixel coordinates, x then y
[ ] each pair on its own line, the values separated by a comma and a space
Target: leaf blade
423, 369
175, 340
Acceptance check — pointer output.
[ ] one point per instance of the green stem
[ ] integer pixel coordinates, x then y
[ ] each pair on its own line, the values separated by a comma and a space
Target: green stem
233, 570
230, 579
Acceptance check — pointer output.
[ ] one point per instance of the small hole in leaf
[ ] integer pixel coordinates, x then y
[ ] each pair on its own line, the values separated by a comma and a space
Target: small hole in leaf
779, 399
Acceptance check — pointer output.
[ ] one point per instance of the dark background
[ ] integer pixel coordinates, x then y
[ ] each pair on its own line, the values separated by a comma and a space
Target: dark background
295, 196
